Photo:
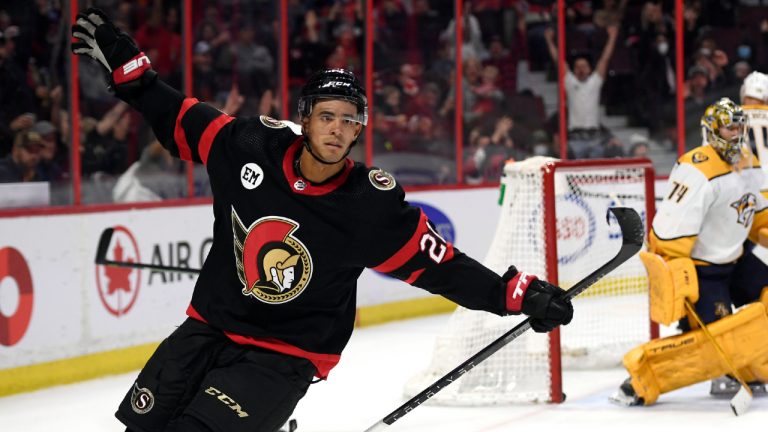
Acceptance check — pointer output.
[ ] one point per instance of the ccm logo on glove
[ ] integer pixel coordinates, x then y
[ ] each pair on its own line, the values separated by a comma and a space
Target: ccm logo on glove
132, 70
520, 282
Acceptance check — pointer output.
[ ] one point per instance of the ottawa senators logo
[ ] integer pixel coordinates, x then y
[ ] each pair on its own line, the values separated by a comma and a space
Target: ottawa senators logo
272, 123
381, 179
273, 265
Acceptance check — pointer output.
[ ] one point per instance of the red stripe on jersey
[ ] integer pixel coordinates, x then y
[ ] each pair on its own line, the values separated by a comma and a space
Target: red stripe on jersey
178, 132
323, 362
415, 275
206, 140
406, 252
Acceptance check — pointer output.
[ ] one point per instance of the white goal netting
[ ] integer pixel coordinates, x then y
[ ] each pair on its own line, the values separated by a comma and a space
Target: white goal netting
610, 317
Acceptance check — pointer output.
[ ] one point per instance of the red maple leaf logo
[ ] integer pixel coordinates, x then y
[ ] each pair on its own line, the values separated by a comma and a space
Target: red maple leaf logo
118, 276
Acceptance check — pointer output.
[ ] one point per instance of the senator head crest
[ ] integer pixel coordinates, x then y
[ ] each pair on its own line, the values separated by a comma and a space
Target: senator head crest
273, 265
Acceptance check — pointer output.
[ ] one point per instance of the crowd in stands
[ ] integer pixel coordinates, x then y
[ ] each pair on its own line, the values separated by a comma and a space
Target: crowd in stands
620, 61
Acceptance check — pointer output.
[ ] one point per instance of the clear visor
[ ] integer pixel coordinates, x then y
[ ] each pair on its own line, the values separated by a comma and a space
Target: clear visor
359, 118
346, 120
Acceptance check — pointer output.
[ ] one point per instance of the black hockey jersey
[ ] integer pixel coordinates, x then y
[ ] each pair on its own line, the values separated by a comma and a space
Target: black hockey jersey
286, 253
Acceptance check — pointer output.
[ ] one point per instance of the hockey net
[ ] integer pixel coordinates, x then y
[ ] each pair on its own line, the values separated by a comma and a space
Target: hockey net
609, 319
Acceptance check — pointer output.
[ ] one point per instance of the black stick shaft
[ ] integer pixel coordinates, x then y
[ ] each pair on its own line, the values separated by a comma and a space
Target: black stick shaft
103, 247
632, 240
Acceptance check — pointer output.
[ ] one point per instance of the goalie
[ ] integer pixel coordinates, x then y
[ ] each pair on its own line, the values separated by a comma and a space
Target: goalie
713, 205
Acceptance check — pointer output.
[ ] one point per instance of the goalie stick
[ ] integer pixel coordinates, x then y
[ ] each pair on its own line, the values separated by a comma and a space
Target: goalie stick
632, 232
743, 399
101, 257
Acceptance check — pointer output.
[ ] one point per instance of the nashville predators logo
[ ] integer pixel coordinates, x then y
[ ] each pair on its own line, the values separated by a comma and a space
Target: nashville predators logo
699, 157
273, 265
745, 209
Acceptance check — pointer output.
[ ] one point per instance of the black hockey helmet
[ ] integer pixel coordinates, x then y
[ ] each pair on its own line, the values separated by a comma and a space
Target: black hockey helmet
334, 84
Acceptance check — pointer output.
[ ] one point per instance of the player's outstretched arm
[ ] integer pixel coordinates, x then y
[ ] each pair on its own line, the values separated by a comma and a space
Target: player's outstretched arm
177, 122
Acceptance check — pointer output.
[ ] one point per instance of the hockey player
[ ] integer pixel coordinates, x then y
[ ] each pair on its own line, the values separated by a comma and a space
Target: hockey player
713, 205
753, 266
296, 222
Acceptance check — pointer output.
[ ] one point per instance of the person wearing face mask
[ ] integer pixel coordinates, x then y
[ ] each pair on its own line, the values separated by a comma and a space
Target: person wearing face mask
656, 85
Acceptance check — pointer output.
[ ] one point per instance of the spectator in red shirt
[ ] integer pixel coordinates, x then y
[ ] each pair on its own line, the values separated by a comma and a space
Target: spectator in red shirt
160, 43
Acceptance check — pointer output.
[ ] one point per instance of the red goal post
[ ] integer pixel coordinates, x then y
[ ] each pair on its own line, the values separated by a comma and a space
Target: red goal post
553, 224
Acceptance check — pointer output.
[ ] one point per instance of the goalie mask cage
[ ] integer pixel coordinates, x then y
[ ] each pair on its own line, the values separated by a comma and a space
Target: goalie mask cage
553, 224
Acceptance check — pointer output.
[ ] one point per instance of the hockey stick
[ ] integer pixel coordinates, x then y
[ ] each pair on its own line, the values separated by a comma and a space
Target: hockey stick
101, 257
743, 398
632, 240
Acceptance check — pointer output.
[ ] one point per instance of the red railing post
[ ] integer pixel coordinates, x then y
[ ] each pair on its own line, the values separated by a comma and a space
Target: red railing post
459, 92
680, 76
561, 97
74, 109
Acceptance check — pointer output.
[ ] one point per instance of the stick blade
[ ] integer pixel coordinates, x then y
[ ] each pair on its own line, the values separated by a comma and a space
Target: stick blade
632, 229
101, 250
741, 402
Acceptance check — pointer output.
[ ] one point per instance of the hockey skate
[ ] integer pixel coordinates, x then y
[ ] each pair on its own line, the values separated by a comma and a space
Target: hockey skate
626, 395
726, 386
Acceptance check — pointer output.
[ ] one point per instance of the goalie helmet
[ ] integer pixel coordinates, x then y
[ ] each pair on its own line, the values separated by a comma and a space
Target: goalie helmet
334, 84
755, 86
725, 114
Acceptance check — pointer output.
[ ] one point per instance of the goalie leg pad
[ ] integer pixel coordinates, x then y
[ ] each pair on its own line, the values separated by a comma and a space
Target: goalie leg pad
671, 283
670, 363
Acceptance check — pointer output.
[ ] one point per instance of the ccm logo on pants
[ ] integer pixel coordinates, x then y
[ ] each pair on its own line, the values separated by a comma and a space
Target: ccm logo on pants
226, 400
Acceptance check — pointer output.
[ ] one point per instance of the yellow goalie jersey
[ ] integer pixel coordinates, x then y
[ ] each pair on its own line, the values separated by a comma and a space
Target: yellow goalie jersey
710, 209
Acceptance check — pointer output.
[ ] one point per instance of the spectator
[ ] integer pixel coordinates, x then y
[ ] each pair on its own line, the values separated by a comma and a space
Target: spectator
582, 86
613, 147
204, 76
152, 178
611, 14
105, 148
638, 146
542, 144
696, 100
503, 136
472, 45
506, 62
489, 96
428, 25
50, 167
656, 84
160, 42
218, 40
17, 101
21, 164
308, 49
255, 64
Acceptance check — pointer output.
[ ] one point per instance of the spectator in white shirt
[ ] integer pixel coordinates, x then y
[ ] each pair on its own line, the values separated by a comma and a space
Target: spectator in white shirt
582, 87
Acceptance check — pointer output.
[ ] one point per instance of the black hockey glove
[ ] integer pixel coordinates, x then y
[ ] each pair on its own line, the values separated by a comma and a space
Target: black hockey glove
97, 37
538, 299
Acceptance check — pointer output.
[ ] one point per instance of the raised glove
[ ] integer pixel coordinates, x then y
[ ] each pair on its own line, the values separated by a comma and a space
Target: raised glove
543, 302
97, 37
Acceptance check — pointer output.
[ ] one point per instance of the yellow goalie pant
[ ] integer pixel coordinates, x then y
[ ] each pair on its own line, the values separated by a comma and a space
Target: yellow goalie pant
670, 363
